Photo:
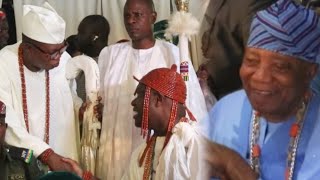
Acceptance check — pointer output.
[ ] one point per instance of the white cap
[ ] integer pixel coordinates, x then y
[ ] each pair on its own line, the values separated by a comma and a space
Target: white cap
43, 24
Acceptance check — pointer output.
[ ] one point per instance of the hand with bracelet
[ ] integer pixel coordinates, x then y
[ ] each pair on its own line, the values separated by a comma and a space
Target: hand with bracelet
54, 161
76, 169
97, 110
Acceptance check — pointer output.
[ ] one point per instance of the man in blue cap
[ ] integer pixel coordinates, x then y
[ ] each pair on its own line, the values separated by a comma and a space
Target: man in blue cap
271, 128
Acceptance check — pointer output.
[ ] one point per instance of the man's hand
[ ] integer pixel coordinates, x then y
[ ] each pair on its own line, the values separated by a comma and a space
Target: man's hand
213, 157
75, 168
224, 163
97, 110
81, 111
202, 72
55, 163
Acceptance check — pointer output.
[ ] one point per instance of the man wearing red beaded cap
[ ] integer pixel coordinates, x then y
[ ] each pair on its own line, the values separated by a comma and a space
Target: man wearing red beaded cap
37, 94
118, 63
172, 141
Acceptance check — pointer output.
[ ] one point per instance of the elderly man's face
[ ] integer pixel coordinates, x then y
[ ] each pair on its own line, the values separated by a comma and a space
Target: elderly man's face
43, 56
274, 83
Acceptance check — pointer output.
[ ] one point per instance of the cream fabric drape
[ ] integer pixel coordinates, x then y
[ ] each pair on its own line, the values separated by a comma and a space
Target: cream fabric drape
73, 11
90, 125
198, 9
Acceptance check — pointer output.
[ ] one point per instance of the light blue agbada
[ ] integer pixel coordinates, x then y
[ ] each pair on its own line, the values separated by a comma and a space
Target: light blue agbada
292, 30
230, 125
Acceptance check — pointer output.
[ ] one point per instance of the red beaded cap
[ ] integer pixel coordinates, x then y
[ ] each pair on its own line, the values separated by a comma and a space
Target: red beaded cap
168, 82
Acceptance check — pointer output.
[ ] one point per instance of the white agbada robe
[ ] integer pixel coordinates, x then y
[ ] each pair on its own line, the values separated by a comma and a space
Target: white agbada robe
118, 64
63, 137
181, 159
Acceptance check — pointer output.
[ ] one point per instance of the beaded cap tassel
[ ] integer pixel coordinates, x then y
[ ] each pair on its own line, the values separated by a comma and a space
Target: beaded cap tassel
145, 118
171, 84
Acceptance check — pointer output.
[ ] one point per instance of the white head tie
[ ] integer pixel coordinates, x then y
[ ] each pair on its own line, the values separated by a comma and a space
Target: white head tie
43, 24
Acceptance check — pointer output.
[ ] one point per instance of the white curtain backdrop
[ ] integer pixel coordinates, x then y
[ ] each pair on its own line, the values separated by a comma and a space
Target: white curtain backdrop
73, 11
198, 9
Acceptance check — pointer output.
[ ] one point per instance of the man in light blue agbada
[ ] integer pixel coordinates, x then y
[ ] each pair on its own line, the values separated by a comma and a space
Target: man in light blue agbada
273, 125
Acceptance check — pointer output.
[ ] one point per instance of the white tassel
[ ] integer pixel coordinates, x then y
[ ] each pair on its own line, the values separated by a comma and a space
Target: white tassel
182, 23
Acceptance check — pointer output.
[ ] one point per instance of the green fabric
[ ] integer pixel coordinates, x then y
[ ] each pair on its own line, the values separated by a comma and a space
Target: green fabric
159, 31
60, 176
15, 168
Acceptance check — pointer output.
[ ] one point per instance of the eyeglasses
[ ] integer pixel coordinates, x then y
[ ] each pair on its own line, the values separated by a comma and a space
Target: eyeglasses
54, 55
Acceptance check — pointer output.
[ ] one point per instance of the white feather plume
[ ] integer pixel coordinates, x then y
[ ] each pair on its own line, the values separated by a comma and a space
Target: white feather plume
182, 23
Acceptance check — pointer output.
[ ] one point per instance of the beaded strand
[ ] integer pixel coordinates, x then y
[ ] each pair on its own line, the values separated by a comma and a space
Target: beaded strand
24, 97
295, 132
149, 159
